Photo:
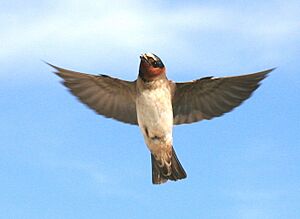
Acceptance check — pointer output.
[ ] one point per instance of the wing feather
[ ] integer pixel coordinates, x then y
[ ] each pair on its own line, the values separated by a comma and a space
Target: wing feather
108, 96
211, 97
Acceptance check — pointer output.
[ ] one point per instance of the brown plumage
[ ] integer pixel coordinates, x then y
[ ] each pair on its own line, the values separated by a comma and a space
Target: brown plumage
211, 97
156, 104
108, 96
161, 173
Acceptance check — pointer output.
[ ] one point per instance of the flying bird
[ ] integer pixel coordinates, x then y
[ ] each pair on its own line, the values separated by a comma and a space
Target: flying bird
155, 104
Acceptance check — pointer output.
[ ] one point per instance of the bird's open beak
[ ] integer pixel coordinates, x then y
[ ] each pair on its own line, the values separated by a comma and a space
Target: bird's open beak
144, 57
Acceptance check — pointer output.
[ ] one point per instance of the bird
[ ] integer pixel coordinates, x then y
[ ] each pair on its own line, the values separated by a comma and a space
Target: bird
156, 104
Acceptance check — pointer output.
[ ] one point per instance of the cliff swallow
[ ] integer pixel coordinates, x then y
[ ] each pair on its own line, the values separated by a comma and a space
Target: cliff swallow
155, 104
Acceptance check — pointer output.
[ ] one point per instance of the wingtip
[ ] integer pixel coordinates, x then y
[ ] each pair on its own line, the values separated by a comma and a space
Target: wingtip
53, 66
270, 70
57, 69
263, 74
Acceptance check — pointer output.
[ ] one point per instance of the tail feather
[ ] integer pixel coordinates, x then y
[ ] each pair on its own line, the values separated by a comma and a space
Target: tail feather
159, 175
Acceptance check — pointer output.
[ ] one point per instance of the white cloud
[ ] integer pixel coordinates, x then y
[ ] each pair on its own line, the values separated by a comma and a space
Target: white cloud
255, 203
134, 24
89, 169
71, 27
255, 195
103, 184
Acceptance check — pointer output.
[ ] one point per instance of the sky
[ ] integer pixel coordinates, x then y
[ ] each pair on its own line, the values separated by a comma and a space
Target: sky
59, 159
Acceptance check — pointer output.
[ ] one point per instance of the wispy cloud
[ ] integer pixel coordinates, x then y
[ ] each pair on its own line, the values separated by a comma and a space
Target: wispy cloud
96, 178
134, 24
108, 28
91, 170
256, 203
256, 195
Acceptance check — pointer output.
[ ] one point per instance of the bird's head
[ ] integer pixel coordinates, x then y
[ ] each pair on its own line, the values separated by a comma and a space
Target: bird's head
151, 67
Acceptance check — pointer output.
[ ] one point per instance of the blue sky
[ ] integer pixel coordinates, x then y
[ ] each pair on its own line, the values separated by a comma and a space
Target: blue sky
58, 159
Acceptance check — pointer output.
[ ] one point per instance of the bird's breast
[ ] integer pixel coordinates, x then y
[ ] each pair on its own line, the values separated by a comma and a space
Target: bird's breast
154, 109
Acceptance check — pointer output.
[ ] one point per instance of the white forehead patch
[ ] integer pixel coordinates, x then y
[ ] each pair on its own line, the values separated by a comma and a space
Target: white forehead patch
150, 55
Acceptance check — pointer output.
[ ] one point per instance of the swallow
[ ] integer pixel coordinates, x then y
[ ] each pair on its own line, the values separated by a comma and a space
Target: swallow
155, 104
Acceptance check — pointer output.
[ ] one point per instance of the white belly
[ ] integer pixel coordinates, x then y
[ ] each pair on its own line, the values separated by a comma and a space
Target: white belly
155, 115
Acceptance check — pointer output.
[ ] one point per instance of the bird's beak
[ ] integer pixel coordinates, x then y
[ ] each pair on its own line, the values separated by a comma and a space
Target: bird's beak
144, 58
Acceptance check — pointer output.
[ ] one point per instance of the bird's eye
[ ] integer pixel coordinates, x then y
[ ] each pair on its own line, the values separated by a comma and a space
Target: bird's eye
157, 64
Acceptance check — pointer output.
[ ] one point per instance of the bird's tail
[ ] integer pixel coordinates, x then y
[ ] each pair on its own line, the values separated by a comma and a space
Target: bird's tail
162, 172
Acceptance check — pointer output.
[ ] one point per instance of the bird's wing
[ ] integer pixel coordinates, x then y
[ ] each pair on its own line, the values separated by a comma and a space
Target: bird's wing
110, 97
211, 97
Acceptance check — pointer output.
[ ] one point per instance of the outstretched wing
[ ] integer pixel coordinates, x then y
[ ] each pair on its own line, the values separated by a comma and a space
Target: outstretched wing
110, 97
211, 97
